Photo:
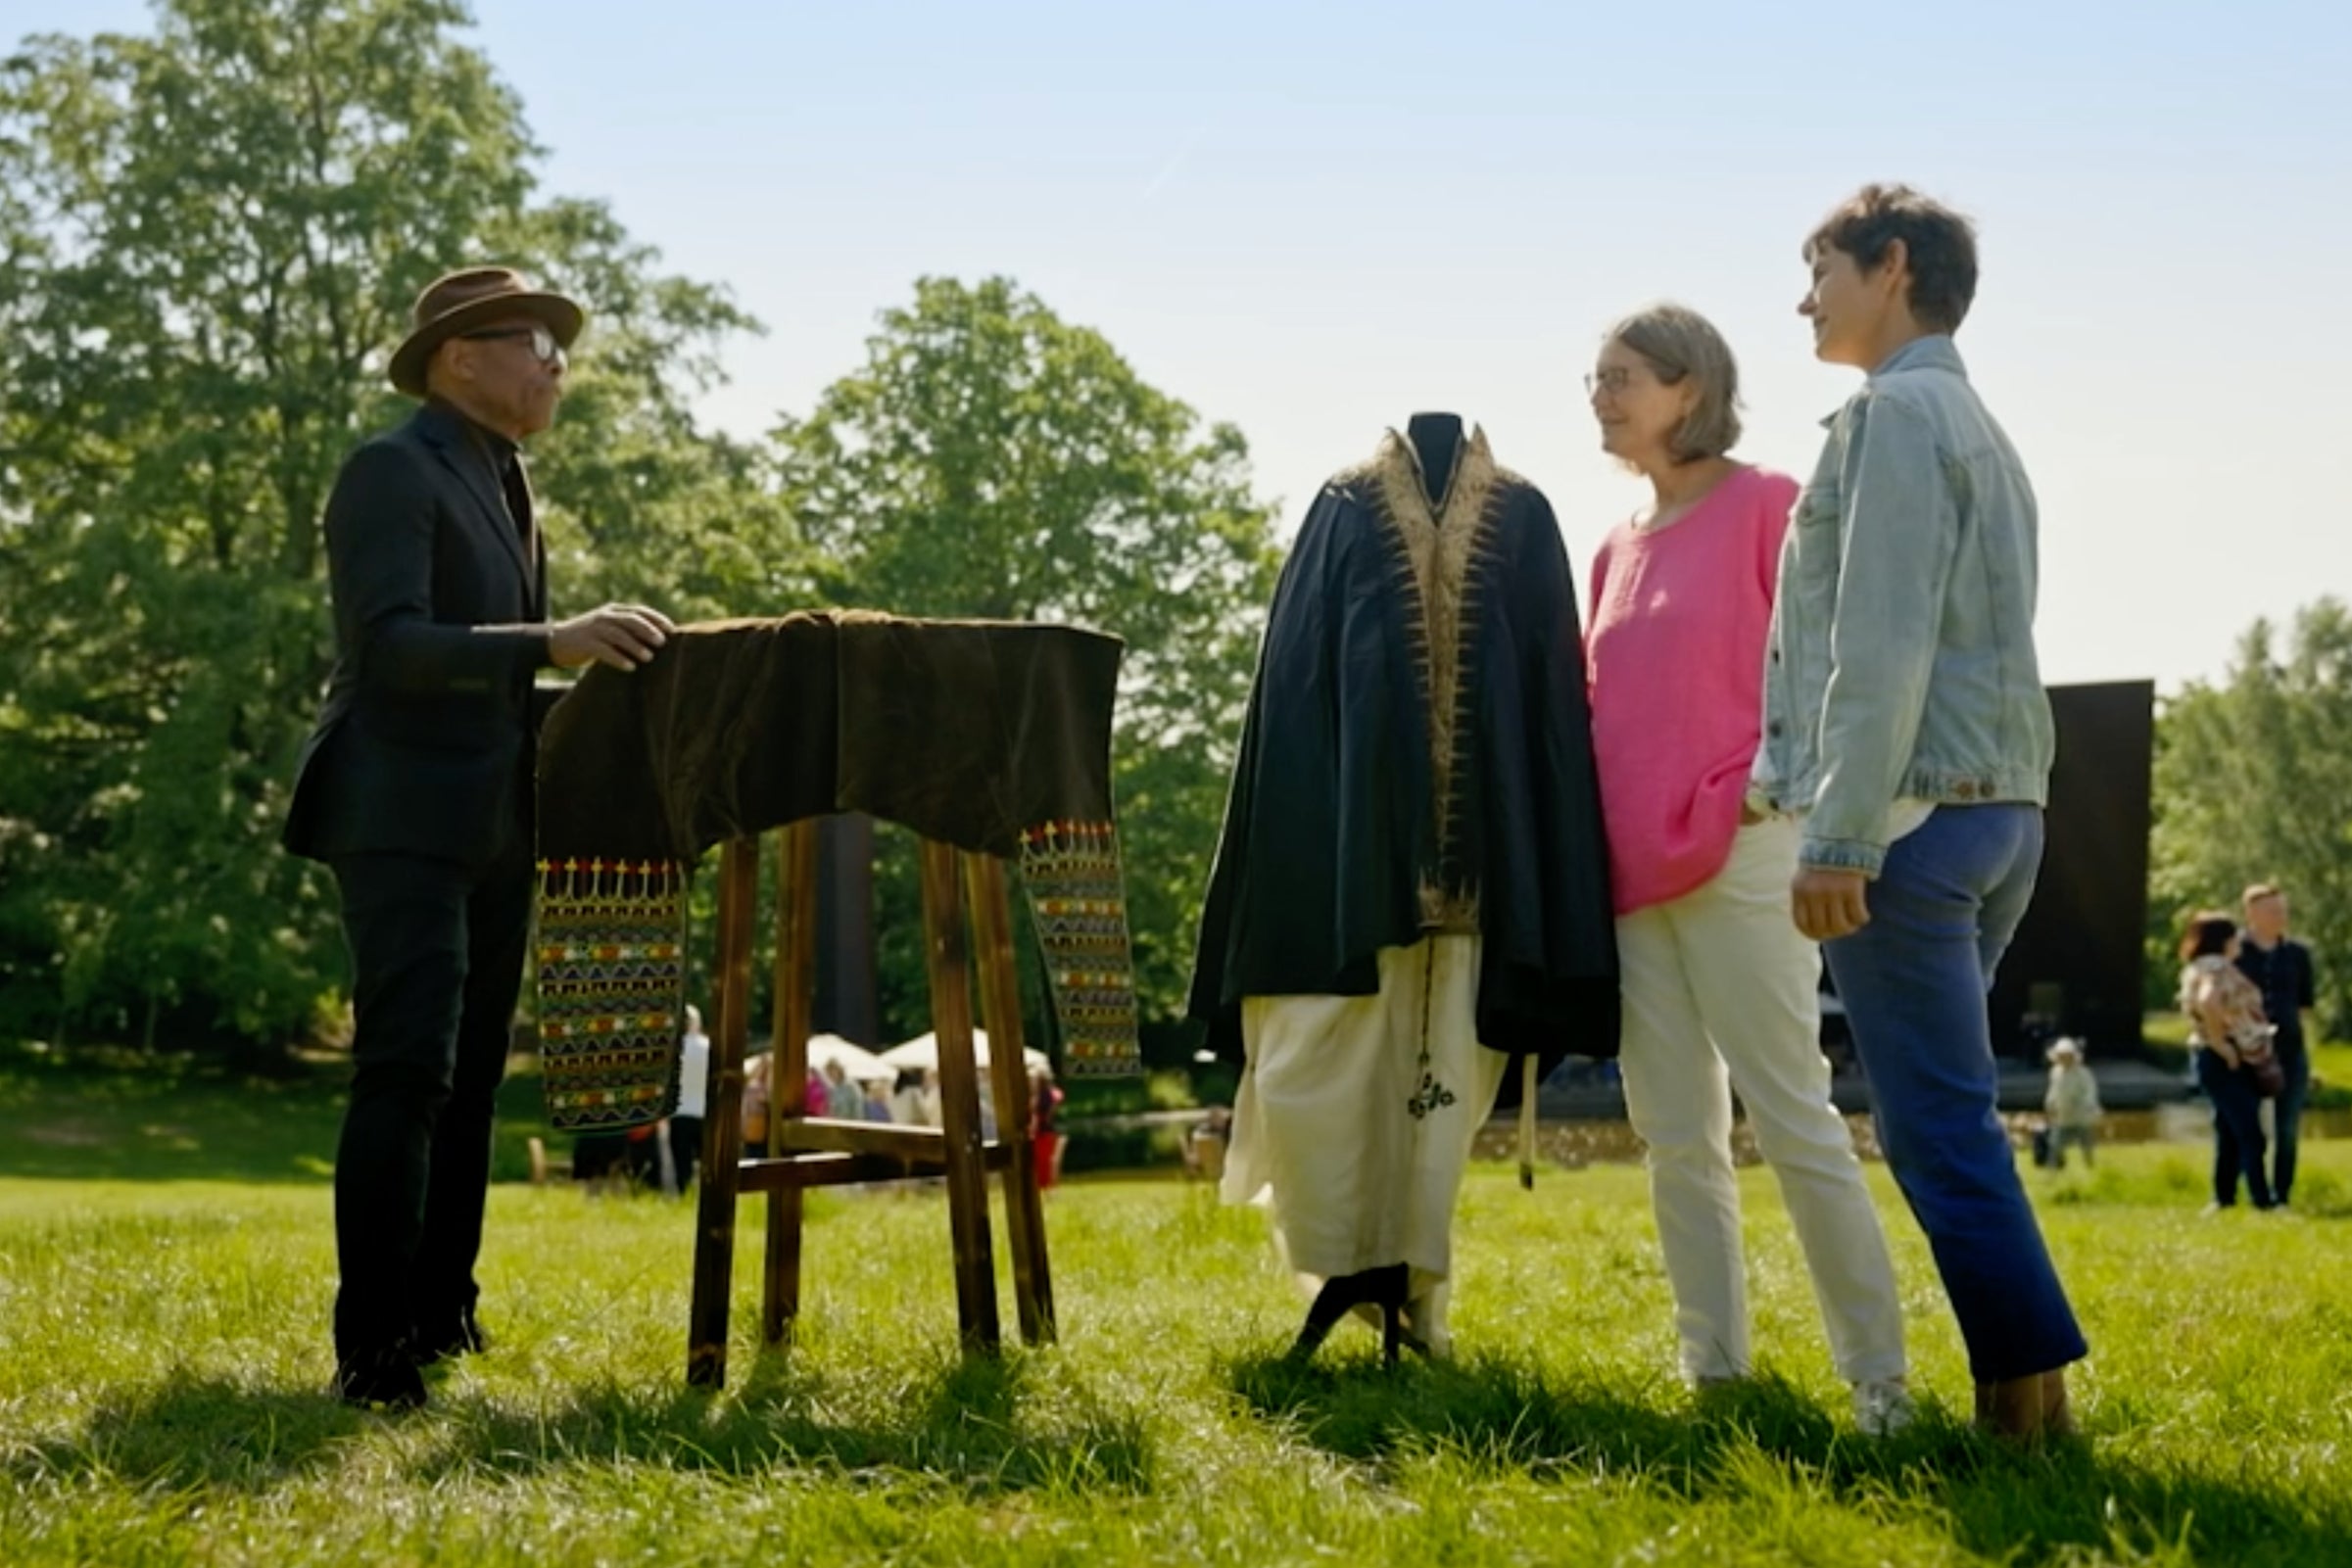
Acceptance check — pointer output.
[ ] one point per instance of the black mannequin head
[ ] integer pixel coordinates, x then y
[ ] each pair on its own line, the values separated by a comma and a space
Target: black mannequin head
1437, 438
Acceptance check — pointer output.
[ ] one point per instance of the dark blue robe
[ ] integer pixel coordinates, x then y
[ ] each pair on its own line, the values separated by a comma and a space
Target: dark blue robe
1355, 823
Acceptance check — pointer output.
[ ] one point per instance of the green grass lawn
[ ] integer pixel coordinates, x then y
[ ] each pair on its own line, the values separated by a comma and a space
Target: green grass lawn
162, 1364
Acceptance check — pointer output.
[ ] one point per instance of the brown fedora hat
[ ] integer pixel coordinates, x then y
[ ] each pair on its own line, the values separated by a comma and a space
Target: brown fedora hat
457, 300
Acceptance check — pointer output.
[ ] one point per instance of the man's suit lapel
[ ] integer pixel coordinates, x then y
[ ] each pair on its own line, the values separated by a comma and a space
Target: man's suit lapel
462, 454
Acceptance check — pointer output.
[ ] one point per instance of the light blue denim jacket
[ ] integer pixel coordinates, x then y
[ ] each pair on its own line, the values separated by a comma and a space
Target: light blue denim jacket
1901, 657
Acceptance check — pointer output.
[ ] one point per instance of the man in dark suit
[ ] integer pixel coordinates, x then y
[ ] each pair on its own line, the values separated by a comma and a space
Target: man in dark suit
2280, 968
417, 788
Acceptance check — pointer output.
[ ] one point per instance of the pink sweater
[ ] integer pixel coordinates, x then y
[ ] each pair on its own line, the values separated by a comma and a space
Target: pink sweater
1674, 651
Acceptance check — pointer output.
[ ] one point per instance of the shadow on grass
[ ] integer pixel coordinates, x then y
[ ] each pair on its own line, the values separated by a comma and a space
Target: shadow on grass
170, 1119
85, 1128
2007, 1506
968, 1426
195, 1432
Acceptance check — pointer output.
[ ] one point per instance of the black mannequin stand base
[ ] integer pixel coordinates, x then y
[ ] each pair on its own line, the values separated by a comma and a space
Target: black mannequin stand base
1380, 1288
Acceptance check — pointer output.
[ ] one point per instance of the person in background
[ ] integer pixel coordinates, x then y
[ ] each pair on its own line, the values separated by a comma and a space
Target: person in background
906, 1099
649, 1158
1204, 1148
693, 1084
988, 1109
1046, 1114
601, 1162
2232, 1040
844, 1101
2281, 969
759, 1074
2070, 1103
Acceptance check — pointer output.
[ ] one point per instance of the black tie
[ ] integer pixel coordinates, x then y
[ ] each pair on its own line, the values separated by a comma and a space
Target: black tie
517, 487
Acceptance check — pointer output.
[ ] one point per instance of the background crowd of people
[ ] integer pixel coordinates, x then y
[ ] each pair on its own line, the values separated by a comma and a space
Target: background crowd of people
666, 1156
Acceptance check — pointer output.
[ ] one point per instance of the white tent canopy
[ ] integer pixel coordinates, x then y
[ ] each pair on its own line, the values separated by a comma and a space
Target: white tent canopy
859, 1064
923, 1051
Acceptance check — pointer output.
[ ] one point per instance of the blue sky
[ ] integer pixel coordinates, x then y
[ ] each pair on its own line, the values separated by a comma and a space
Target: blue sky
1313, 220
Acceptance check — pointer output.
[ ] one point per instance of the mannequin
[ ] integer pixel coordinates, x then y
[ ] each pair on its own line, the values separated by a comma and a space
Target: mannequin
1412, 886
1384, 1290
1437, 440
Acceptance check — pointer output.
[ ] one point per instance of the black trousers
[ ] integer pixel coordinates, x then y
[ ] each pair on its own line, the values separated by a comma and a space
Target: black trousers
2237, 1140
437, 954
686, 1149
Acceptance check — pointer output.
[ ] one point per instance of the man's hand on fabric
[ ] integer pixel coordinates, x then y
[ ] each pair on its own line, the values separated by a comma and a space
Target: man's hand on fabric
1828, 904
622, 635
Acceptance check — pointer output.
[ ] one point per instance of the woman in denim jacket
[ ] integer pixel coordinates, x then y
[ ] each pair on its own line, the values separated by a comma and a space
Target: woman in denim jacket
1907, 726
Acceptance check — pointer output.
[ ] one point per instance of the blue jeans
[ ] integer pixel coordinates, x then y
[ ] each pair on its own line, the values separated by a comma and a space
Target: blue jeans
1913, 982
2238, 1142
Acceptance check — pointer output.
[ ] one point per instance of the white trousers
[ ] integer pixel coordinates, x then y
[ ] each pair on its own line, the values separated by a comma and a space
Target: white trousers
1721, 993
1353, 1139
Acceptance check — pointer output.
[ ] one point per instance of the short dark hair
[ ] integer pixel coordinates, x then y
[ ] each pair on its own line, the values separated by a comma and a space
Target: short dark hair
2209, 933
1939, 244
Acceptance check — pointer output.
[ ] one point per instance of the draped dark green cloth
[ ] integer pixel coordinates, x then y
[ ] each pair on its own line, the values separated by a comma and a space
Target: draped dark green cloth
966, 731
993, 737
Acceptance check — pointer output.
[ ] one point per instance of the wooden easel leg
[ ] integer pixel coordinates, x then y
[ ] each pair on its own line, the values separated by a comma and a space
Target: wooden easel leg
722, 1127
1000, 1000
794, 978
944, 943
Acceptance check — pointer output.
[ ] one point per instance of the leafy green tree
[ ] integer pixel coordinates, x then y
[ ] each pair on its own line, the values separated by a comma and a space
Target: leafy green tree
2253, 782
991, 459
209, 240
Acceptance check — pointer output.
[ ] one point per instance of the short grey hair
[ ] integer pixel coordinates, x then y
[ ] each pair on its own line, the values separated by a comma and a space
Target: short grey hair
1679, 342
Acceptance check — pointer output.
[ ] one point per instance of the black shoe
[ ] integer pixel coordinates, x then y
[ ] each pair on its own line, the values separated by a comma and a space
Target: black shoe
380, 1380
457, 1334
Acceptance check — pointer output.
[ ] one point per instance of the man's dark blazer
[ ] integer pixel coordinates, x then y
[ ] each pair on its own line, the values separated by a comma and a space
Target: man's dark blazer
425, 743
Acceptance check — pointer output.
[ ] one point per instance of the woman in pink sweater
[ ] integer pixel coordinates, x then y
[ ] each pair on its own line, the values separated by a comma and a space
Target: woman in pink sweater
1720, 991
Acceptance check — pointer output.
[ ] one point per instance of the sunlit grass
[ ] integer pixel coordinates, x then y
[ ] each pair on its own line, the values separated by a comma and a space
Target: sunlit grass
163, 1363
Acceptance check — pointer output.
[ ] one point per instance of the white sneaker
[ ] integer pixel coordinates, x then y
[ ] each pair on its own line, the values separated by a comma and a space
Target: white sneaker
1883, 1406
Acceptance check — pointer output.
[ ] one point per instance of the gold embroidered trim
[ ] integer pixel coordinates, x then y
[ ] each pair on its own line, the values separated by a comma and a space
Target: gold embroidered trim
1437, 554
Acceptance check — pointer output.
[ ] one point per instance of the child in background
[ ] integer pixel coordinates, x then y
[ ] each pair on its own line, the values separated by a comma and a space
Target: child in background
1045, 1131
2071, 1103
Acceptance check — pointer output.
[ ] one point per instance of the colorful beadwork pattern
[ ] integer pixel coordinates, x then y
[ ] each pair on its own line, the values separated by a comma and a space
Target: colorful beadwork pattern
611, 990
1077, 902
